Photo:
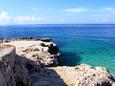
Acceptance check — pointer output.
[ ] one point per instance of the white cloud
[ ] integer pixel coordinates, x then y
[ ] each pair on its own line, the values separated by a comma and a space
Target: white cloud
7, 19
4, 17
3, 14
26, 19
75, 10
110, 9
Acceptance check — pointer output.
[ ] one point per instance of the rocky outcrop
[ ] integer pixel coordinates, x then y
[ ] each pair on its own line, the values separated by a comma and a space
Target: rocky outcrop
81, 75
7, 58
43, 51
21, 73
84, 75
30, 65
12, 70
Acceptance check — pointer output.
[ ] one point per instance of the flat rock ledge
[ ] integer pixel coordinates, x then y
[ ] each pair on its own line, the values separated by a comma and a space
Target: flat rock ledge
42, 51
34, 63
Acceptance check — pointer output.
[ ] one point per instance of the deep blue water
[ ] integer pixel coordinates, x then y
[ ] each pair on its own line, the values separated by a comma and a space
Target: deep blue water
90, 44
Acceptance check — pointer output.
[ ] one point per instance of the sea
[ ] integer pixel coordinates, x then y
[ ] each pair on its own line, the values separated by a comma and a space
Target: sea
92, 44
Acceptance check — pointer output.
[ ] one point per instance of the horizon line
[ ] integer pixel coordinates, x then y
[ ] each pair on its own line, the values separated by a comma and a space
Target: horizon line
61, 24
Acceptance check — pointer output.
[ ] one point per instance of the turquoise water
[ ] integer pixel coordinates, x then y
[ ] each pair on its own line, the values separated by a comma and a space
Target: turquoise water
89, 44
96, 53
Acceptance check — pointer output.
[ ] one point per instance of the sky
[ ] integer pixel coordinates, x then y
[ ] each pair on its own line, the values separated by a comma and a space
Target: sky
57, 11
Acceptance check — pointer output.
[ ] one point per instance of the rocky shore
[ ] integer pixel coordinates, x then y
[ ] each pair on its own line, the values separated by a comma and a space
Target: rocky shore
34, 62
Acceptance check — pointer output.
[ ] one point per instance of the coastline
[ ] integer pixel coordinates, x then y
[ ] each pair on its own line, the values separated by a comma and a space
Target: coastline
91, 44
47, 64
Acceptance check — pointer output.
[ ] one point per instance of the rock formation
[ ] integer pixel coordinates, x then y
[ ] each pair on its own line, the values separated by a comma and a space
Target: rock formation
12, 70
7, 58
42, 51
31, 63
85, 75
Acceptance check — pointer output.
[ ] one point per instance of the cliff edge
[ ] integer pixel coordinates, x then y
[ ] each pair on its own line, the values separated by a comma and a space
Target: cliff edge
34, 62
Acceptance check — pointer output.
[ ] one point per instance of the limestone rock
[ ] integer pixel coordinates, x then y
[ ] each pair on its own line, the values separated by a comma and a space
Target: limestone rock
42, 53
85, 75
7, 58
21, 72
31, 66
46, 77
12, 71
81, 75
2, 80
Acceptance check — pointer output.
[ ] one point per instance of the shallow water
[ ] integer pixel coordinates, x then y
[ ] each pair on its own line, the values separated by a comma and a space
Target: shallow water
90, 44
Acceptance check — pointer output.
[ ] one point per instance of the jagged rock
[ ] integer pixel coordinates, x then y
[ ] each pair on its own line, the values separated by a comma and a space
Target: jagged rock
85, 75
46, 77
7, 58
53, 49
12, 70
81, 75
2, 80
28, 66
21, 72
28, 38
42, 53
